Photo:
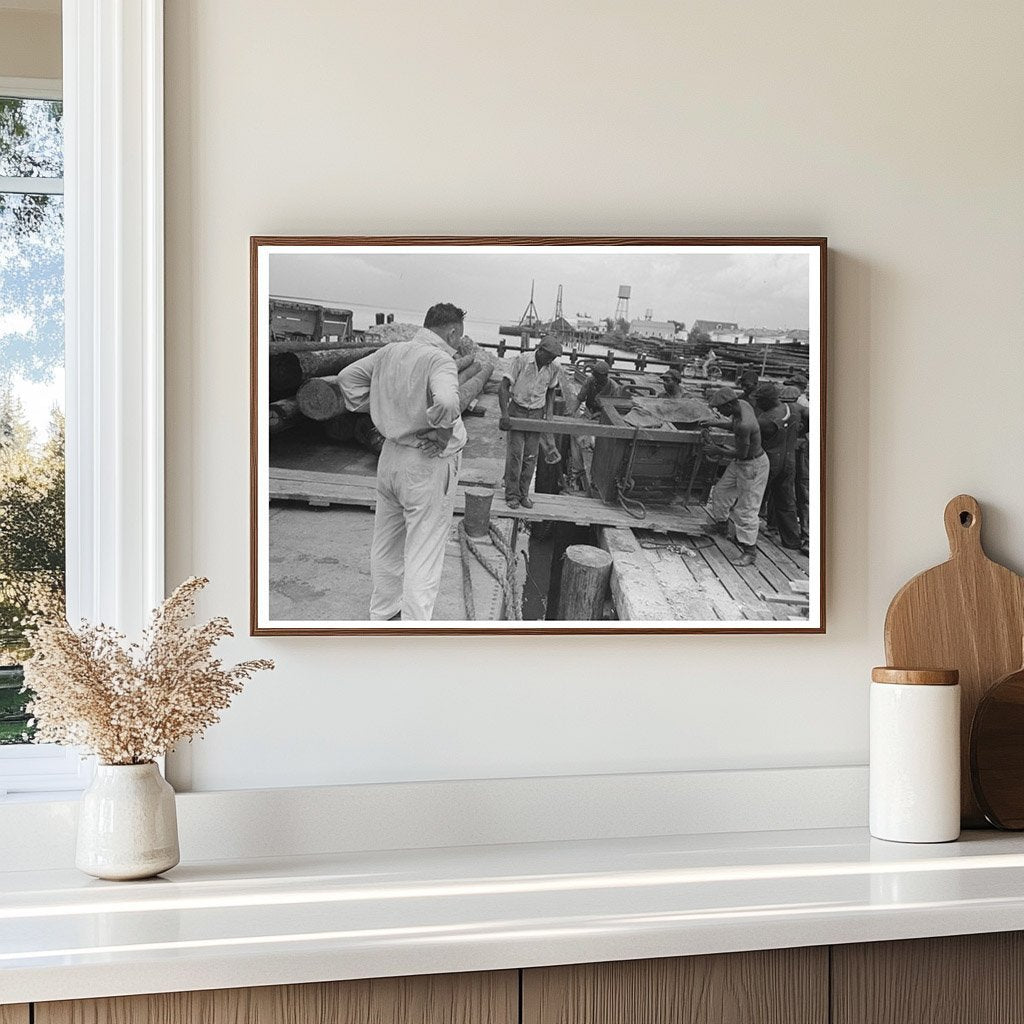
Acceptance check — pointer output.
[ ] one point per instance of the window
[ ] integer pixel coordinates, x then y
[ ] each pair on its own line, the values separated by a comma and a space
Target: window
32, 532
112, 208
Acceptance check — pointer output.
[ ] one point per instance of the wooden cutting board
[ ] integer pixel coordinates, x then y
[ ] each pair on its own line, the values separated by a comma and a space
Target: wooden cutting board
967, 614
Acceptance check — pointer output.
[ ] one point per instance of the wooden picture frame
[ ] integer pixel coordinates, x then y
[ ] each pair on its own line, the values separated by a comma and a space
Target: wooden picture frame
320, 301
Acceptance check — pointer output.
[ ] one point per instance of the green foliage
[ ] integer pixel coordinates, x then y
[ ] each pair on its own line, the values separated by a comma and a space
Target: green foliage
31, 524
14, 719
31, 547
697, 337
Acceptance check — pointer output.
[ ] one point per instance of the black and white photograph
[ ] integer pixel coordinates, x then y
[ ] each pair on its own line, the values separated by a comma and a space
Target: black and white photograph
537, 435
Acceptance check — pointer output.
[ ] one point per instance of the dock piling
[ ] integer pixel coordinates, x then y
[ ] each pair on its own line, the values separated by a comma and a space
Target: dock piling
586, 571
477, 515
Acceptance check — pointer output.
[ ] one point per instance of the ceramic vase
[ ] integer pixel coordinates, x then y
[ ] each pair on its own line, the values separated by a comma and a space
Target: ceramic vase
127, 825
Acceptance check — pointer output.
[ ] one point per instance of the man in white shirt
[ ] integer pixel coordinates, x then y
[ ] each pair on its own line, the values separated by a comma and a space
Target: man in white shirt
527, 391
411, 391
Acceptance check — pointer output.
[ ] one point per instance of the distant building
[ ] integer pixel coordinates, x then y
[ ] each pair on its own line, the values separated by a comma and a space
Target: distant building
653, 330
730, 334
708, 326
724, 333
720, 331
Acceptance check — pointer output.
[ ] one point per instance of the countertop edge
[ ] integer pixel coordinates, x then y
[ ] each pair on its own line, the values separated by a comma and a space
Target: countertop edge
246, 968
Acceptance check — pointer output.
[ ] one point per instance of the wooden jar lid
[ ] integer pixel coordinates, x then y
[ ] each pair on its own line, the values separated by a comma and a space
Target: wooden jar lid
916, 676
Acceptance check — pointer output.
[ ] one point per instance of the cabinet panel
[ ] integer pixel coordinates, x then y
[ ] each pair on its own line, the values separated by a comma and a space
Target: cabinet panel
482, 998
778, 986
14, 1014
962, 979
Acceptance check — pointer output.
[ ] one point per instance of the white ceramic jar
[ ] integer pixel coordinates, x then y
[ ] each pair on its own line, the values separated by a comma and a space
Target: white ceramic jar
915, 755
127, 823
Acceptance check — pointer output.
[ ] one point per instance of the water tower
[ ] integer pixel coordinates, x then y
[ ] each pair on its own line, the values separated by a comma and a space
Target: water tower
622, 307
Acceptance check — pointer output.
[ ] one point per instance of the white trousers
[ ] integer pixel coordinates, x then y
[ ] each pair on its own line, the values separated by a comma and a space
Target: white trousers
415, 502
737, 496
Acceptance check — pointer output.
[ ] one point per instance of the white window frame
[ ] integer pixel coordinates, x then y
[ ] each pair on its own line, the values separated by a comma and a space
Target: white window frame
114, 345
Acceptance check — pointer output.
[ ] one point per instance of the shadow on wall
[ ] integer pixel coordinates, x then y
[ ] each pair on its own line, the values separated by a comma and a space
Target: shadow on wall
850, 420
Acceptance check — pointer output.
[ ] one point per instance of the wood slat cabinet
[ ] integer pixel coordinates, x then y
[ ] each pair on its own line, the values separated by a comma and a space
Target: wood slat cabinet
776, 986
480, 998
961, 979
967, 979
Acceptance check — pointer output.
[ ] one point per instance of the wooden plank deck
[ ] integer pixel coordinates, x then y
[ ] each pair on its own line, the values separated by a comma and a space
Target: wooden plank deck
663, 566
323, 489
697, 581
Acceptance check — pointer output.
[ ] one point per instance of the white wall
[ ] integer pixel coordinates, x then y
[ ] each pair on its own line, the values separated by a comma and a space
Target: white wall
895, 129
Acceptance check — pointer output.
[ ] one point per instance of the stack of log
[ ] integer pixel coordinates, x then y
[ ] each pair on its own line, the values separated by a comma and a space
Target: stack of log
320, 398
304, 383
289, 370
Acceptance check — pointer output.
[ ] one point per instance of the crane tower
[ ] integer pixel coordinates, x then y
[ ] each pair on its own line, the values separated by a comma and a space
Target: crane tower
530, 318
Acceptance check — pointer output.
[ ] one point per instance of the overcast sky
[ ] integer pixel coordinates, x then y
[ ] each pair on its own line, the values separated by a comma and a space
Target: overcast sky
755, 290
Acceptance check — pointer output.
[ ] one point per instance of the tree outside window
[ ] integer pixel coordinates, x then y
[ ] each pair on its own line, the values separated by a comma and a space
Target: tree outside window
32, 544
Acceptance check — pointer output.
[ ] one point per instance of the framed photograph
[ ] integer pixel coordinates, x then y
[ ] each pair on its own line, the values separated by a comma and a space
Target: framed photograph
537, 435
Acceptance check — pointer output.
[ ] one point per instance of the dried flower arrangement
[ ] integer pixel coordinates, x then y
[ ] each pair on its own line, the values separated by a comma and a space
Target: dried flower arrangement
130, 703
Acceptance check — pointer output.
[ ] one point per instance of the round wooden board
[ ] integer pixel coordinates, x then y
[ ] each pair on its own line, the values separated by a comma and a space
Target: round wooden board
997, 752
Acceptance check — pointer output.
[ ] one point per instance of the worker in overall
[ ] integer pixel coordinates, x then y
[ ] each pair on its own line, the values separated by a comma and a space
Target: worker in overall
779, 425
411, 391
527, 391
736, 497
581, 446
791, 395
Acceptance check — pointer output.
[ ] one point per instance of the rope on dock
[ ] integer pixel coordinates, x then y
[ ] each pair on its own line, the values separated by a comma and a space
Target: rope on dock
631, 506
503, 571
638, 509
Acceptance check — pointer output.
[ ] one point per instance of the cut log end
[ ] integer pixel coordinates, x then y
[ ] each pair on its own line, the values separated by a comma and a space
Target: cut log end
320, 399
585, 554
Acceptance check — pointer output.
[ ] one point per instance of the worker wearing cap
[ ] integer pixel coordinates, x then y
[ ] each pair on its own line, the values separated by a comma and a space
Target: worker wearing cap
411, 392
598, 385
736, 497
801, 382
581, 446
527, 391
672, 379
